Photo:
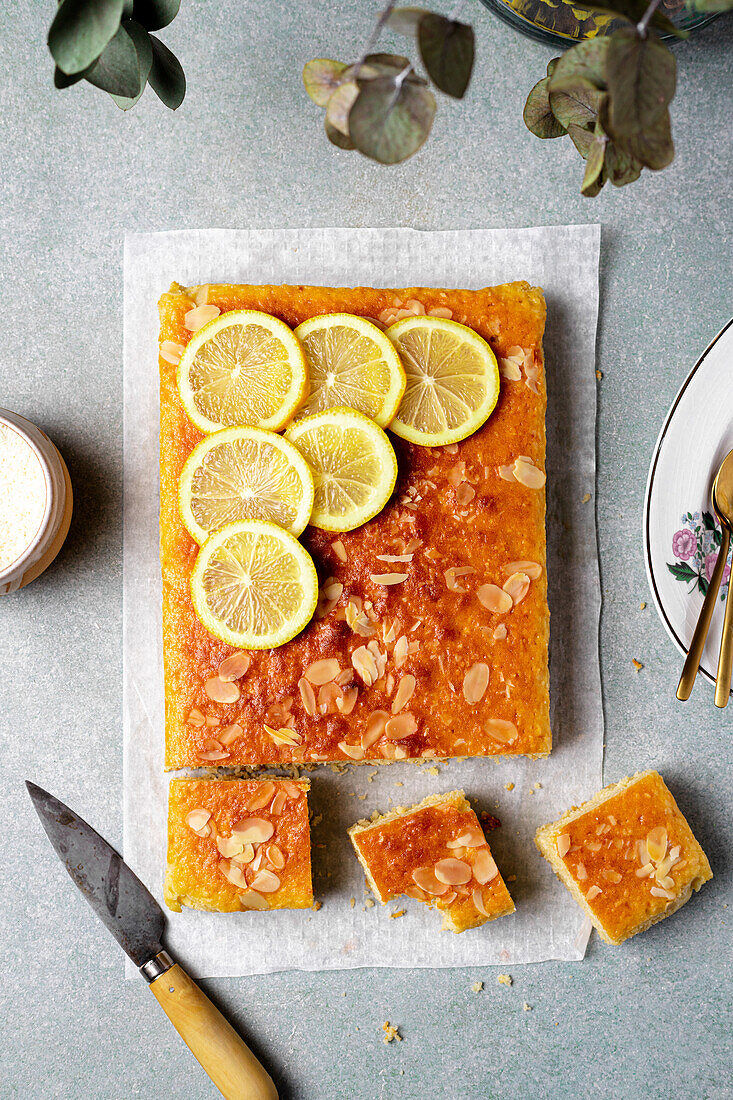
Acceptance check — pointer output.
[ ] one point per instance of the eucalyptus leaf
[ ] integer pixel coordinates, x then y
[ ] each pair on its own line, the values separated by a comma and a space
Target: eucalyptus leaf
621, 167
594, 167
80, 31
167, 78
653, 147
155, 14
321, 78
63, 80
117, 69
343, 141
641, 78
391, 118
405, 20
447, 51
575, 102
582, 139
338, 108
538, 116
144, 49
586, 60
552, 65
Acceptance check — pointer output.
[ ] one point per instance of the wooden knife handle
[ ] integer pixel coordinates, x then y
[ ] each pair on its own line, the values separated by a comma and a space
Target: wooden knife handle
212, 1040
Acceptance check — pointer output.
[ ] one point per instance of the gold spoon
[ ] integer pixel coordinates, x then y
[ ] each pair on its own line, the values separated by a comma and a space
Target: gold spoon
722, 498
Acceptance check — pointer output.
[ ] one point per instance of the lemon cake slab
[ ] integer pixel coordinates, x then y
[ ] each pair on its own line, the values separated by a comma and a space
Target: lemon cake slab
431, 634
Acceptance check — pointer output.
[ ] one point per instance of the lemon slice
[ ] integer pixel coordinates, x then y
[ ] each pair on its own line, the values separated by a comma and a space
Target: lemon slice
243, 367
353, 464
244, 473
253, 585
452, 380
351, 363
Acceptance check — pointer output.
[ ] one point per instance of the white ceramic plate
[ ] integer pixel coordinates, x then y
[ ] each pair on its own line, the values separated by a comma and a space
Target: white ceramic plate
681, 535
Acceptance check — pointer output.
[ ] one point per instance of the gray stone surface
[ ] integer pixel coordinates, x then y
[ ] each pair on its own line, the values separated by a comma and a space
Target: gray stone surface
651, 1019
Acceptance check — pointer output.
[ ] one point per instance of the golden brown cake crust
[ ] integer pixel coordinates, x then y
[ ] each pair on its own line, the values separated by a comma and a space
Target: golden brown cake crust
199, 876
628, 856
464, 515
392, 847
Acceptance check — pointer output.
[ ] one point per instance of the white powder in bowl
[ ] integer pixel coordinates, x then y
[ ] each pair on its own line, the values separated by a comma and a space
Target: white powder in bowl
22, 495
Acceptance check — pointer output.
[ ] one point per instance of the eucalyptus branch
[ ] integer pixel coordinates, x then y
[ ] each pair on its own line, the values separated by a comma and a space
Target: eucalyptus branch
643, 24
373, 39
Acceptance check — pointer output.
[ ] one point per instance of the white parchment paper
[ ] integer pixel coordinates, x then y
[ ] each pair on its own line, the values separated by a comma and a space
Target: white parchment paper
346, 932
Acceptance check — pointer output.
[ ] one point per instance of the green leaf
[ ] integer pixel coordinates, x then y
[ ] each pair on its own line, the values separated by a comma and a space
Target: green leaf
592, 180
653, 148
155, 14
447, 51
621, 167
552, 65
682, 571
337, 112
343, 141
63, 80
80, 31
144, 49
117, 69
405, 20
575, 102
641, 77
391, 117
538, 116
381, 64
708, 522
167, 78
587, 60
321, 78
582, 139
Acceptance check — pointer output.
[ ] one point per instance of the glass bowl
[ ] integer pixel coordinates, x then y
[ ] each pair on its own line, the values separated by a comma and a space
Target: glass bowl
560, 22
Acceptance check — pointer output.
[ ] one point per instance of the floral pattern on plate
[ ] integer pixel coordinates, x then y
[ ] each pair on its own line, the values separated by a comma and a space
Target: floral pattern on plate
695, 546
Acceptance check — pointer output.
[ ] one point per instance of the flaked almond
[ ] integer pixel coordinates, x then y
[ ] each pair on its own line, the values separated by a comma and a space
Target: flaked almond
477, 897
308, 696
593, 893
245, 856
212, 750
220, 691
399, 653
283, 736
374, 728
533, 385
448, 899
229, 734
531, 568
418, 309
171, 352
265, 882
494, 598
339, 550
517, 586
472, 837
581, 872
405, 690
610, 875
198, 819
656, 843
234, 667
354, 752
261, 796
253, 830
345, 703
201, 296
484, 866
327, 696
453, 573
278, 803
666, 882
403, 725
563, 844
322, 672
363, 661
392, 558
229, 846
424, 877
457, 474
465, 494
212, 721
275, 857
195, 718
453, 872
441, 311
499, 633
515, 352
658, 892
475, 682
501, 730
506, 473
416, 893
645, 871
510, 370
388, 578
526, 473
250, 899
199, 316
233, 873
293, 789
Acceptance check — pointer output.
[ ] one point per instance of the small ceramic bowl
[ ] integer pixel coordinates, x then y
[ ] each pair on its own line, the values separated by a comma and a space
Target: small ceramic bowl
54, 525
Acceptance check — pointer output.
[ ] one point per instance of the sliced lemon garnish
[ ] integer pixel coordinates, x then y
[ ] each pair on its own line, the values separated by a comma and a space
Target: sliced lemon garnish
353, 464
452, 380
253, 585
243, 367
244, 473
351, 363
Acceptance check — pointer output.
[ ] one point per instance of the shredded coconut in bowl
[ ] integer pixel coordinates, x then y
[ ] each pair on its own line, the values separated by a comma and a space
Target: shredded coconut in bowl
22, 495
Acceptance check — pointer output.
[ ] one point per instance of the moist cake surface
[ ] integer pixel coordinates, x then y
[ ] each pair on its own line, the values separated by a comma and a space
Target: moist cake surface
628, 856
434, 852
238, 844
408, 661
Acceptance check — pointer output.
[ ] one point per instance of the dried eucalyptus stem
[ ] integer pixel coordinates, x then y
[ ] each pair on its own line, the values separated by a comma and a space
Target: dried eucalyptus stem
643, 24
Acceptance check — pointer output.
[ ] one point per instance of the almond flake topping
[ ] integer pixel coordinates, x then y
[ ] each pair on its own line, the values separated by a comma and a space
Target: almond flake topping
233, 873
500, 633
477, 897
416, 893
593, 893
465, 494
453, 573
234, 667
475, 683
171, 352
345, 703
517, 586
245, 856
501, 730
581, 872
527, 473
402, 726
531, 568
510, 370
610, 875
275, 857
363, 661
229, 734
656, 843
229, 846
250, 899
195, 718
645, 871
261, 796
658, 892
473, 837
198, 821
374, 728
212, 750
453, 872
404, 693
441, 311
355, 752
484, 866
220, 691
424, 877
339, 550
253, 830
563, 844
199, 316
399, 653
388, 578
283, 736
392, 558
322, 672
265, 882
278, 802
494, 598
307, 696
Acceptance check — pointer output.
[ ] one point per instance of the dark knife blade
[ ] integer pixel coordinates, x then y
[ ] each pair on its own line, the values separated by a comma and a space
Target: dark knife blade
116, 895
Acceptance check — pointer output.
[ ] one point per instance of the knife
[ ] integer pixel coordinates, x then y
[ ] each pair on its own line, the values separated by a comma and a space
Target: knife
135, 919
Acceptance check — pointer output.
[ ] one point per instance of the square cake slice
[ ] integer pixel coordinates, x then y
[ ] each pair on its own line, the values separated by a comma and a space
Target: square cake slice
627, 856
435, 852
450, 662
236, 844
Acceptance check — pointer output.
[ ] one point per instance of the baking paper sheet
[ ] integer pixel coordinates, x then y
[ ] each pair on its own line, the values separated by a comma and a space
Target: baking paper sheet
347, 932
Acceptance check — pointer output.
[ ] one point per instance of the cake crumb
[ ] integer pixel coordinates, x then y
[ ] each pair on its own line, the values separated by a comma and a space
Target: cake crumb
637, 664
642, 605
511, 878
537, 786
477, 987
397, 913
586, 498
352, 902
433, 771
488, 821
399, 783
509, 786
390, 1033
599, 375
526, 1007
369, 903
317, 905
505, 979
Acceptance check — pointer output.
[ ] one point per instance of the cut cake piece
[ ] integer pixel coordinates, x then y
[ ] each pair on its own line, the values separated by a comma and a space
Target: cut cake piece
627, 856
435, 852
